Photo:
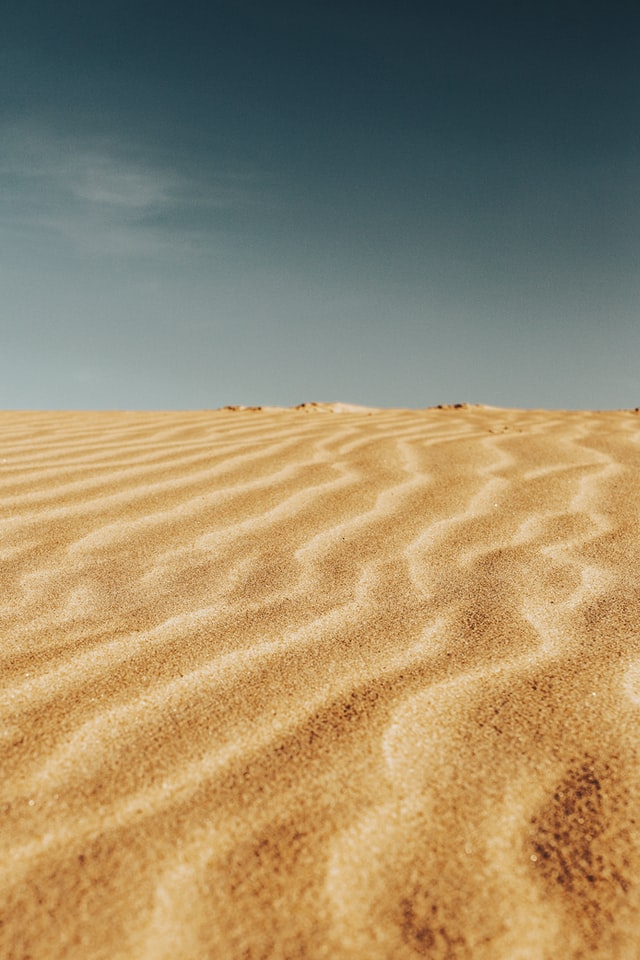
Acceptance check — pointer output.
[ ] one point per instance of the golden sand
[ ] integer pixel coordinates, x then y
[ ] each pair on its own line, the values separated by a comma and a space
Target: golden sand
327, 682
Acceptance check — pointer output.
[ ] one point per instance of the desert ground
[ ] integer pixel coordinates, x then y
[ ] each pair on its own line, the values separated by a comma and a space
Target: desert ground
322, 682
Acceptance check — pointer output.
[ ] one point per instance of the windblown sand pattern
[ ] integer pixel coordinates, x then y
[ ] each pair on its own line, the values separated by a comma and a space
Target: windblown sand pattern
320, 683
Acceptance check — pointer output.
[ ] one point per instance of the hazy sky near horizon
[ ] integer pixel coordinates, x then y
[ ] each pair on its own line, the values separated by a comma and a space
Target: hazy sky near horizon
267, 203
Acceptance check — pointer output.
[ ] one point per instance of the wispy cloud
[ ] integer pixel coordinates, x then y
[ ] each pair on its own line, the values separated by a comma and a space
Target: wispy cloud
106, 181
108, 198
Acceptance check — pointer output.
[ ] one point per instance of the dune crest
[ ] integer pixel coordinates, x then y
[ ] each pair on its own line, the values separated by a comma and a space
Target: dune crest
278, 685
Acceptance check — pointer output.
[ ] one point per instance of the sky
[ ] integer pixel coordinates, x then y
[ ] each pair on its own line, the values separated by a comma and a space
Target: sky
397, 205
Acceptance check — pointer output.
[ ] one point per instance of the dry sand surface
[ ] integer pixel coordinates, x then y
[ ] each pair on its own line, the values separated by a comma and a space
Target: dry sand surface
326, 682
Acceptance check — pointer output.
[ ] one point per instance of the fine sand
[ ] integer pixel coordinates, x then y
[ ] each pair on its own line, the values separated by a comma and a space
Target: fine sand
327, 682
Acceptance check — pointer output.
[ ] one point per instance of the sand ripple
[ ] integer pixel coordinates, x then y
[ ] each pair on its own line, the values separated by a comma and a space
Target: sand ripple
330, 682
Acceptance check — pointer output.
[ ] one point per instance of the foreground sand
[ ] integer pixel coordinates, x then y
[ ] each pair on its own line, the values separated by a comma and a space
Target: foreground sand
320, 683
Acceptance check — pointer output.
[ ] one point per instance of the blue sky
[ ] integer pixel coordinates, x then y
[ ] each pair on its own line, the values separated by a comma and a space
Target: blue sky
395, 205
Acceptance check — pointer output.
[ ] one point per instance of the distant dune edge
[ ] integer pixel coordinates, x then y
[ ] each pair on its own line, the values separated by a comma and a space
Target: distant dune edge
315, 687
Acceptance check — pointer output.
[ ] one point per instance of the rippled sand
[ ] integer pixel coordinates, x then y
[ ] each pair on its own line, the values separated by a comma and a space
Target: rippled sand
320, 683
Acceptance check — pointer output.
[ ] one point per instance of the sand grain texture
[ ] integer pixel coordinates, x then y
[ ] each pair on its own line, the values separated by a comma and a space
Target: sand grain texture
320, 683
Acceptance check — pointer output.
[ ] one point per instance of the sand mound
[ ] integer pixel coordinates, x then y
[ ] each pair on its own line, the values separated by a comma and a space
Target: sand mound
284, 686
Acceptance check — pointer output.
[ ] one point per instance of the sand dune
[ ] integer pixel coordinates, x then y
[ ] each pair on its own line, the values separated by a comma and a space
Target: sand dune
360, 684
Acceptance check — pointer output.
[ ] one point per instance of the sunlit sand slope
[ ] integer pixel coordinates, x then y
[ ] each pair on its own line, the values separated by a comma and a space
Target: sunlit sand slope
320, 683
